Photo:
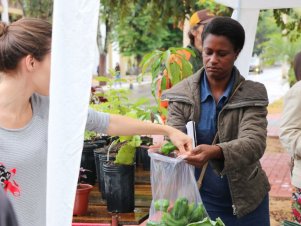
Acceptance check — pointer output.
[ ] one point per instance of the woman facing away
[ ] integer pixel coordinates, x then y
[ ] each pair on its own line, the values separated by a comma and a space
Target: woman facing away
231, 128
25, 53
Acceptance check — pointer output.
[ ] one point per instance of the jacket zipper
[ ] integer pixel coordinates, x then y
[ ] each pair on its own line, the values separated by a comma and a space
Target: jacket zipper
233, 206
234, 210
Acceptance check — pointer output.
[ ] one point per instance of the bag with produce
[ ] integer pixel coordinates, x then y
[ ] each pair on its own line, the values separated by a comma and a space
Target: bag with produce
176, 198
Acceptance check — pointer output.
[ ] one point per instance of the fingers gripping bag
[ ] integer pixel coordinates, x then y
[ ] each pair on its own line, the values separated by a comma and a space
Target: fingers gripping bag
176, 200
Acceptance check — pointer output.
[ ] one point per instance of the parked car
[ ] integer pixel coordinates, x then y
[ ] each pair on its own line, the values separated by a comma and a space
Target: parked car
255, 65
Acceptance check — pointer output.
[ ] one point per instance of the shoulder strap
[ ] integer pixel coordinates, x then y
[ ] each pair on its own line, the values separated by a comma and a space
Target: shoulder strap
200, 180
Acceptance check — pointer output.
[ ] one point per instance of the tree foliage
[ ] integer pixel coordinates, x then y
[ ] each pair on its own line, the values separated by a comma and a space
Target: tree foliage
140, 26
37, 8
265, 27
135, 35
289, 22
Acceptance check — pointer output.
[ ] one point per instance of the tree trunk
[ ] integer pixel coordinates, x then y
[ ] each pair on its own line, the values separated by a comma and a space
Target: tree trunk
138, 59
102, 64
103, 48
186, 29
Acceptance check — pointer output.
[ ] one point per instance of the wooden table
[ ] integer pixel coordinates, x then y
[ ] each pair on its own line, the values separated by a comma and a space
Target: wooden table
97, 211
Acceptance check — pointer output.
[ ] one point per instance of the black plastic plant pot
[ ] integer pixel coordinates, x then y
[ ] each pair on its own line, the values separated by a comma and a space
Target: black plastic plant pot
99, 143
145, 159
138, 160
100, 150
88, 163
97, 153
101, 182
119, 185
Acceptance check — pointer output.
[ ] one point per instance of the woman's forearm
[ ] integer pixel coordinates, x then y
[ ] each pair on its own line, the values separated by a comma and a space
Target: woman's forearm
122, 125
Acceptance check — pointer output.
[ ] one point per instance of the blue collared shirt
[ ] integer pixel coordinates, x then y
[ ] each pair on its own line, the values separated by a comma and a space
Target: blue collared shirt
209, 110
215, 189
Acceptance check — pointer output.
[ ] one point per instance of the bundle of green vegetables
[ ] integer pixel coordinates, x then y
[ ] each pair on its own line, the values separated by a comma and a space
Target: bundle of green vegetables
182, 213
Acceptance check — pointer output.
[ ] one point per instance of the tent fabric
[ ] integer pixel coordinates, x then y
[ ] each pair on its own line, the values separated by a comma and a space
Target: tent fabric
73, 53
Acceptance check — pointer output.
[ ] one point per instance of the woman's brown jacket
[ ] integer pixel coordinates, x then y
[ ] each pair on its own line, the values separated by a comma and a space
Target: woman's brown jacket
242, 131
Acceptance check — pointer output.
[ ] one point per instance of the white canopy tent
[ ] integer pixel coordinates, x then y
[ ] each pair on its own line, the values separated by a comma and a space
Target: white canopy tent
73, 52
247, 13
73, 45
4, 13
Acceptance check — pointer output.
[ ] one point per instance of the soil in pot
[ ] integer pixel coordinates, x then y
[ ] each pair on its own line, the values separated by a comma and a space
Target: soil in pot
82, 199
119, 187
99, 143
146, 141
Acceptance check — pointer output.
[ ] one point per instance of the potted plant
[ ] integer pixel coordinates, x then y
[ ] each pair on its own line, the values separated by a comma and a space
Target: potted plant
167, 68
142, 157
82, 194
119, 172
119, 175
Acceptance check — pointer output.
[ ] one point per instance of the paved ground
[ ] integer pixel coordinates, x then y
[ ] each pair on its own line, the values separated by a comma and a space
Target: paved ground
276, 165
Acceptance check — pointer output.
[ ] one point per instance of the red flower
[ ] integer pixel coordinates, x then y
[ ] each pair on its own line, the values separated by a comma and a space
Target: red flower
296, 213
299, 201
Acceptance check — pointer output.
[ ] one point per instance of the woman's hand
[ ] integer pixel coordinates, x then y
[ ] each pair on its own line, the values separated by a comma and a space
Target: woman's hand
202, 154
180, 140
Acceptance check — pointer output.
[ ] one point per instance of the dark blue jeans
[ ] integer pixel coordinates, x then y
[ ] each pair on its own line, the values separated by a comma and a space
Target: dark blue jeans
259, 217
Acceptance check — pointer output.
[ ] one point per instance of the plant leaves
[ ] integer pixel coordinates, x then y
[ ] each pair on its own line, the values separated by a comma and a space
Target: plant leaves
126, 155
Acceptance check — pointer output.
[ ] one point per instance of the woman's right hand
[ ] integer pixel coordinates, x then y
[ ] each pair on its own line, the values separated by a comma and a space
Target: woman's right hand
180, 140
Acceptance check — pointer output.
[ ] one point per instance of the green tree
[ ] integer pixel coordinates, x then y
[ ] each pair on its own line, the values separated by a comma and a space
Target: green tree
136, 36
289, 22
265, 27
174, 36
279, 48
37, 8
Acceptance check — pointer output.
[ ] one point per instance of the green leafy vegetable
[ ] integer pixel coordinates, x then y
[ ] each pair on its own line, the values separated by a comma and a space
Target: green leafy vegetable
167, 148
161, 205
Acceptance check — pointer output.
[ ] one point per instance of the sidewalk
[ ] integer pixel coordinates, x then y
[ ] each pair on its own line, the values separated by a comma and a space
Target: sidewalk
276, 165
273, 124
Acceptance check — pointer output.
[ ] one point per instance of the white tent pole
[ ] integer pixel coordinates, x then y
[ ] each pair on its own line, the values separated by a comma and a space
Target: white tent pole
4, 14
248, 19
247, 13
261, 4
73, 52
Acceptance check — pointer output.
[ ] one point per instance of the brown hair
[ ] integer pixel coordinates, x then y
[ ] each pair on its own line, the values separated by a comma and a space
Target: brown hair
24, 37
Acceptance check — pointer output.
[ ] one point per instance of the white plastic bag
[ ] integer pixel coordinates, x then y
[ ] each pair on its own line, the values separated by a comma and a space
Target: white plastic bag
171, 179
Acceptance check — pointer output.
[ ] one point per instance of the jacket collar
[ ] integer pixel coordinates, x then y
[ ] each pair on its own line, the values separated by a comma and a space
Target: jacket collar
188, 89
